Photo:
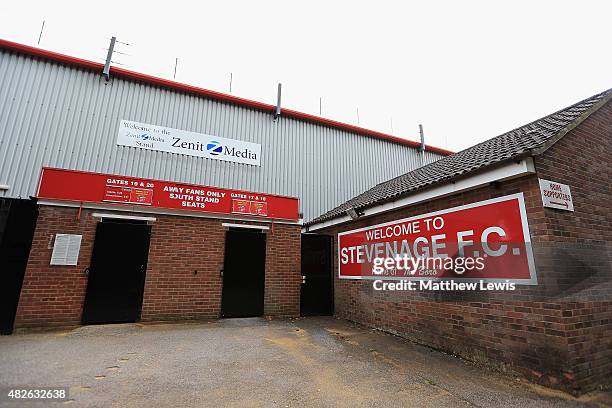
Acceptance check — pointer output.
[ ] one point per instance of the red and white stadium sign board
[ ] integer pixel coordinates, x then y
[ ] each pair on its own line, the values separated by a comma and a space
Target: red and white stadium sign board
494, 230
556, 195
85, 187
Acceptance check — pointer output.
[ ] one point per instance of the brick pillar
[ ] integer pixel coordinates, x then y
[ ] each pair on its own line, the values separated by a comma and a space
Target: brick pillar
283, 268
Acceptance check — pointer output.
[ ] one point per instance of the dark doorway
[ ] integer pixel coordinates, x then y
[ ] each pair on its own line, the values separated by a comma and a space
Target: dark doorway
117, 272
17, 222
316, 298
243, 273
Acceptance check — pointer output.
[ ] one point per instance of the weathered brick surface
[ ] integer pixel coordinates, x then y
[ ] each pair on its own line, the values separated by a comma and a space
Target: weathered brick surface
558, 333
180, 246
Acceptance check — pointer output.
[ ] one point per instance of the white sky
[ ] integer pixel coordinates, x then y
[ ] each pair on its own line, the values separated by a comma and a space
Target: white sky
467, 70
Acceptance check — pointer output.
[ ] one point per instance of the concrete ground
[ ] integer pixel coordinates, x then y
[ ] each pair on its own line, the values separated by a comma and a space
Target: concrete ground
312, 362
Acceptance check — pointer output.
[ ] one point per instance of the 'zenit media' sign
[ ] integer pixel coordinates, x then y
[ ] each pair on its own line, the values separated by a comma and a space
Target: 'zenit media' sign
178, 141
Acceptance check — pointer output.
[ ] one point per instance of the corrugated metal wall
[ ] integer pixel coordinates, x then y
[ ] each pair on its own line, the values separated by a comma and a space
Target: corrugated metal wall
54, 115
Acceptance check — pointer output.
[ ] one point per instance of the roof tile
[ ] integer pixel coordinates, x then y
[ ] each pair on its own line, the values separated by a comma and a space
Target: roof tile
498, 149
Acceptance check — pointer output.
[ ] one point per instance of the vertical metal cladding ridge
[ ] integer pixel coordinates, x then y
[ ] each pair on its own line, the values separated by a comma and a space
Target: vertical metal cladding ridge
61, 116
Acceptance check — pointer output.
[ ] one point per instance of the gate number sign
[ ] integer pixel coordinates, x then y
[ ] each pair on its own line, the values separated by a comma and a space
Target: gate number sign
86, 187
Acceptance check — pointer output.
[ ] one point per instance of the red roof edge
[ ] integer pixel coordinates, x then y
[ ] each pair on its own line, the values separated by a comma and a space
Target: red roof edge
136, 76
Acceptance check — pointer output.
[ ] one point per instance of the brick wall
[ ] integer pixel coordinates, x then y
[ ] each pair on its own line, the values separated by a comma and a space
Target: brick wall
54, 295
283, 275
180, 246
580, 244
183, 272
558, 333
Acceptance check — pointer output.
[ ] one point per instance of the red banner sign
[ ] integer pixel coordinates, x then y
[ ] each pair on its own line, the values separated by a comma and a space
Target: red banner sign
59, 184
486, 240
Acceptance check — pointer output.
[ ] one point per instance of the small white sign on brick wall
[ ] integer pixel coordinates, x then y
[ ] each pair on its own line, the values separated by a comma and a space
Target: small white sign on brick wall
66, 249
556, 195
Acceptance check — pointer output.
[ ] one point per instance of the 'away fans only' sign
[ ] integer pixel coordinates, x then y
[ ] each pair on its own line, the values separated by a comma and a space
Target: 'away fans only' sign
86, 187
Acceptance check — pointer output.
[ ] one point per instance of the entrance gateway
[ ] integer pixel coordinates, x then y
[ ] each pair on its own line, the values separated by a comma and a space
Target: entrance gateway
243, 273
17, 222
225, 277
316, 295
116, 275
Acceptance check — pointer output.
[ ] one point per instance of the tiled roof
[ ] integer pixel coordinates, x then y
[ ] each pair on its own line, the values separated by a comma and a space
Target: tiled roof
516, 143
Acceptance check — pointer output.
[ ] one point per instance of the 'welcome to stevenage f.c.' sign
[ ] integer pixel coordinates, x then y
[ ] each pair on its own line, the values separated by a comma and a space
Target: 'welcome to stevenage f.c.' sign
492, 236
